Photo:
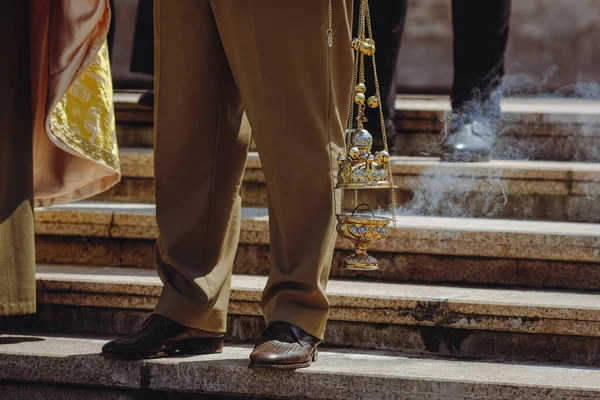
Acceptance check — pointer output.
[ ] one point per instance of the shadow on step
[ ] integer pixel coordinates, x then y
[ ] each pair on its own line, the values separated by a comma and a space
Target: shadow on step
413, 340
18, 339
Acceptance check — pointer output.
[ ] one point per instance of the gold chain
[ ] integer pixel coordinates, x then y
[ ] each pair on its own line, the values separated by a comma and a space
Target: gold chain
361, 37
355, 77
358, 76
359, 168
330, 26
382, 120
361, 77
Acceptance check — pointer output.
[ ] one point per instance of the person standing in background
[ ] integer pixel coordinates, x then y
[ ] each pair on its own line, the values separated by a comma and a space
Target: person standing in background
142, 52
142, 49
480, 35
57, 130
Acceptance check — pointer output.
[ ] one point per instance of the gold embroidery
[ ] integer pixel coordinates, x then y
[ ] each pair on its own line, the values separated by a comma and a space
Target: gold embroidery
84, 118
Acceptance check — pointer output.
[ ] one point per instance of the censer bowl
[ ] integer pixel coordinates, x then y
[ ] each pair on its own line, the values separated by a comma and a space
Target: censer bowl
362, 230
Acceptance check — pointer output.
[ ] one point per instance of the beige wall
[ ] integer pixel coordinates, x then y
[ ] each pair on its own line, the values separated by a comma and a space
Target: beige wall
563, 33
544, 33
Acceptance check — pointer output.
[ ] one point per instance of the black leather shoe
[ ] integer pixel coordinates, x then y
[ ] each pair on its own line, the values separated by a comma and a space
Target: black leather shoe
284, 346
468, 141
147, 99
162, 337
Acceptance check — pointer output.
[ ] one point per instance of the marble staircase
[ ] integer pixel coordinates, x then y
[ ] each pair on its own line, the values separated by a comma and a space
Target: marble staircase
488, 288
524, 190
423, 249
548, 129
68, 367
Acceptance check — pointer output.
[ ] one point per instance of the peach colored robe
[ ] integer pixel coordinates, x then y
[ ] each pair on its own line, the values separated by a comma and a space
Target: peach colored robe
75, 148
74, 144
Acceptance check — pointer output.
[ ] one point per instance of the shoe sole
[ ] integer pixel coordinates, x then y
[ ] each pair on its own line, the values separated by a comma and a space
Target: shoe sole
179, 348
313, 358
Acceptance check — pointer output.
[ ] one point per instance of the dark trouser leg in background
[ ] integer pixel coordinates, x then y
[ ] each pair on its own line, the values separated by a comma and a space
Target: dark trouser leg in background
110, 37
142, 52
480, 36
387, 18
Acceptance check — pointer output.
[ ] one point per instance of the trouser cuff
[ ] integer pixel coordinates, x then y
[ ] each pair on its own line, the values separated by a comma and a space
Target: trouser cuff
313, 321
189, 312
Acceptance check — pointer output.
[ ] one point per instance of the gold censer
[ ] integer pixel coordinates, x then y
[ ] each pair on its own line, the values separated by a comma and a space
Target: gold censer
358, 168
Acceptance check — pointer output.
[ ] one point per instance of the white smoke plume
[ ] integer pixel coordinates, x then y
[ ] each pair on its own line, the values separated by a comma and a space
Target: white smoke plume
570, 136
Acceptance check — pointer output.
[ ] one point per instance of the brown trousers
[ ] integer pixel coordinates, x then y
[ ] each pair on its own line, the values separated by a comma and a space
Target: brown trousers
17, 254
270, 57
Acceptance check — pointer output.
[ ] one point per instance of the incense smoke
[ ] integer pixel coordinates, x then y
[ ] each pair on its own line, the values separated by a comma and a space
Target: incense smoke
485, 191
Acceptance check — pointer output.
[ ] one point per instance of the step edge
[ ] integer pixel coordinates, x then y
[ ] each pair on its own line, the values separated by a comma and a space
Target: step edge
346, 294
352, 370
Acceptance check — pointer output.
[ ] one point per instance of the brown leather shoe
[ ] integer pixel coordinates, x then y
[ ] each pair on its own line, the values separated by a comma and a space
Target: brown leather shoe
284, 346
161, 337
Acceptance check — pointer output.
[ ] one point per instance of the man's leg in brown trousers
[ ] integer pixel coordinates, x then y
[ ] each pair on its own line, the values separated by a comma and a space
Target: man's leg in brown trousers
200, 158
295, 90
293, 87
199, 163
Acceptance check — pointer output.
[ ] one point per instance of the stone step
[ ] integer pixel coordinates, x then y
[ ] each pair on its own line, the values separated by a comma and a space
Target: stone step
431, 249
455, 321
72, 363
530, 128
135, 122
532, 190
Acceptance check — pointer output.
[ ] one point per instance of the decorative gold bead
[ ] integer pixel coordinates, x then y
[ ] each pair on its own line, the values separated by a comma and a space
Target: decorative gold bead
384, 156
372, 43
364, 47
360, 88
367, 48
373, 101
355, 44
354, 153
360, 98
